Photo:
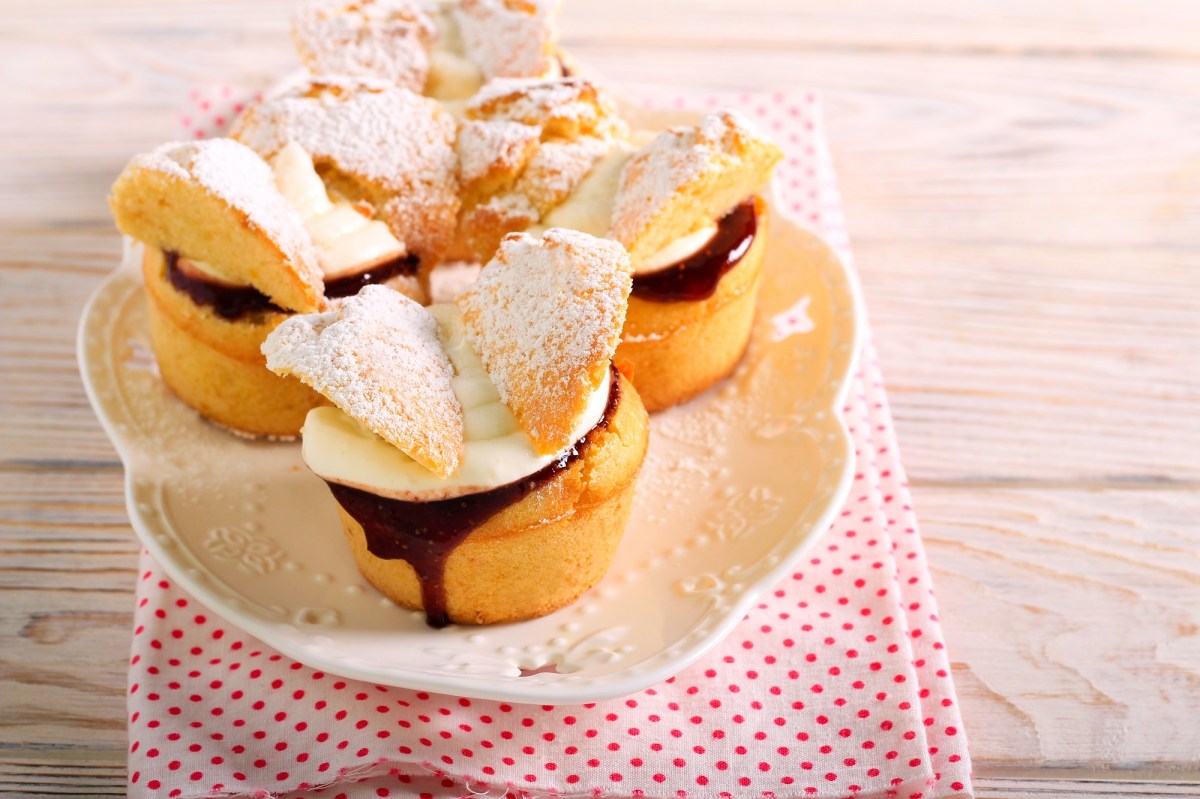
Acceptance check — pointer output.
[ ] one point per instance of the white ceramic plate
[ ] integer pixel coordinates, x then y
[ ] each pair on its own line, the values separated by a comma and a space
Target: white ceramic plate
737, 484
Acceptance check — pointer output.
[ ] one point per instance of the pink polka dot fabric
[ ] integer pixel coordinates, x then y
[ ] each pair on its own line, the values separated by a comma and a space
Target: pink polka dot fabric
836, 684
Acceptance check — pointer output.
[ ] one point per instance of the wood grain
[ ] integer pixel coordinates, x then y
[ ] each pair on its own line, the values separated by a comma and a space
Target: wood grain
1093, 601
1022, 181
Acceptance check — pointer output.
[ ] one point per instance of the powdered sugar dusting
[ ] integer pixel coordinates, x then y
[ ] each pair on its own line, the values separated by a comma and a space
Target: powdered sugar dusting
377, 356
486, 148
557, 168
236, 175
396, 145
387, 39
674, 158
560, 106
511, 38
678, 159
525, 147
545, 317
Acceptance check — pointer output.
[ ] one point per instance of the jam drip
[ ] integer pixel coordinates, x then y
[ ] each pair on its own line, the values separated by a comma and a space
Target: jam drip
379, 273
426, 533
228, 302
696, 277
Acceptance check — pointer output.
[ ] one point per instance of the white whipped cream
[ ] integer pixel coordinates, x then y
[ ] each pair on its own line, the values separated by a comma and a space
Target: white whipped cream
677, 250
348, 240
202, 271
589, 209
452, 76
497, 452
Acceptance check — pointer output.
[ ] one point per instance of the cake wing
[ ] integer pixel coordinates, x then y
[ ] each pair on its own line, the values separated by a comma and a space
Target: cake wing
492, 153
378, 358
545, 317
510, 38
216, 201
563, 107
526, 145
381, 38
557, 168
371, 141
687, 177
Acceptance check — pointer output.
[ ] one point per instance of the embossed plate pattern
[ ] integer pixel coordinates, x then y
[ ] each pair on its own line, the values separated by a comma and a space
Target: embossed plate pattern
736, 485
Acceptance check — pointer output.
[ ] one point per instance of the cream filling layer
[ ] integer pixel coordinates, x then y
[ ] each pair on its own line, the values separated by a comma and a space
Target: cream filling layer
589, 209
677, 250
452, 78
202, 271
348, 240
497, 451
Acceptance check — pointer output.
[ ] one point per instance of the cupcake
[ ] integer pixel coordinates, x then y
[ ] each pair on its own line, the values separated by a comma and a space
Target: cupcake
226, 259
687, 207
233, 245
483, 454
689, 211
445, 50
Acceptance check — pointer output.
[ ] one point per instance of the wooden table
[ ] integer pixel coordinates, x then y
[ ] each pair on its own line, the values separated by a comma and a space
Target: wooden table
1022, 180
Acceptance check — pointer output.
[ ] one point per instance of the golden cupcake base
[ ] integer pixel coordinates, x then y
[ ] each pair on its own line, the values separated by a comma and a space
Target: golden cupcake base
215, 365
673, 351
543, 551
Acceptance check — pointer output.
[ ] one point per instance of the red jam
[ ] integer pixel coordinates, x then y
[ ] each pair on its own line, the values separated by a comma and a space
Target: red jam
696, 277
379, 273
237, 302
227, 302
425, 534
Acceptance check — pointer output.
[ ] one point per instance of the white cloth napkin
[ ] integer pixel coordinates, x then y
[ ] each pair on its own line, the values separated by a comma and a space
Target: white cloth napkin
836, 683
